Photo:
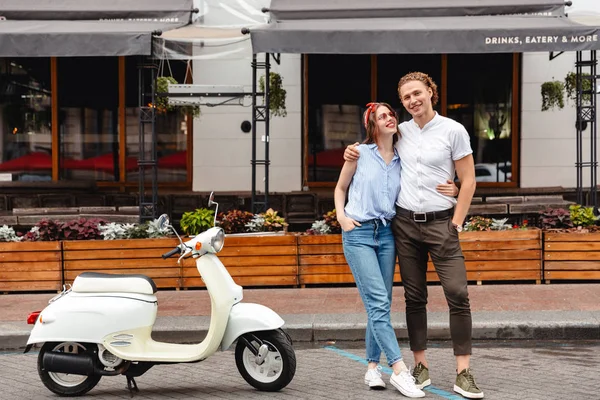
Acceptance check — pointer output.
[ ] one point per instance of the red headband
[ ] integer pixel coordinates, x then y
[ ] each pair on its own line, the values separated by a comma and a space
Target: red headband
371, 107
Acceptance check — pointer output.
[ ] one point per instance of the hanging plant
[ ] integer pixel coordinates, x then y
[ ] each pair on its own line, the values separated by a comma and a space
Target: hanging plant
162, 103
571, 86
277, 94
552, 95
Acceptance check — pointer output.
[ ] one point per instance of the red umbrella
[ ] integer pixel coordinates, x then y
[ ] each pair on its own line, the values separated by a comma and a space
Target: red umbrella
333, 158
174, 161
105, 163
34, 161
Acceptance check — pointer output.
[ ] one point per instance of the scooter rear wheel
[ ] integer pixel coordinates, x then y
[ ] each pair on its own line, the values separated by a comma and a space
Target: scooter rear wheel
279, 365
66, 384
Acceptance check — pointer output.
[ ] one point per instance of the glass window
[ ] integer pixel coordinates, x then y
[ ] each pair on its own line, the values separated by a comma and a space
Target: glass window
88, 99
480, 97
171, 127
25, 119
339, 86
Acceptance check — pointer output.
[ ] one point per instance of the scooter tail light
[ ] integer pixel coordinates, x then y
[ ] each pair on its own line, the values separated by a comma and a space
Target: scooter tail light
198, 246
33, 317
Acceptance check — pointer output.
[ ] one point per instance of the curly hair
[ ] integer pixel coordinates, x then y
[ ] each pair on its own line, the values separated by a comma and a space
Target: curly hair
421, 77
373, 130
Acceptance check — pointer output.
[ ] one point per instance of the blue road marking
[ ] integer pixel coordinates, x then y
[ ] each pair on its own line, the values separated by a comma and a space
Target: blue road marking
388, 370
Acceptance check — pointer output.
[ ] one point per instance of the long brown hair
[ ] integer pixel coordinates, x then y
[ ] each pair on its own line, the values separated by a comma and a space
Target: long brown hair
371, 123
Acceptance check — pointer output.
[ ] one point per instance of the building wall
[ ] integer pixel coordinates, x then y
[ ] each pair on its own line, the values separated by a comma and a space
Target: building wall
222, 152
548, 138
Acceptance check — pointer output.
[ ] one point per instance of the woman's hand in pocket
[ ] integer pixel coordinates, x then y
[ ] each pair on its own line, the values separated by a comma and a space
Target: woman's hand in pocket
348, 224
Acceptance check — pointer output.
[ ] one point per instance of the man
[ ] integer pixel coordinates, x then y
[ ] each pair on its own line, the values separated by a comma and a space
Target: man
432, 149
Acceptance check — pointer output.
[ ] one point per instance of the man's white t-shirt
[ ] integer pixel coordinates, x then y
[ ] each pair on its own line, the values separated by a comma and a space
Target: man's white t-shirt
427, 156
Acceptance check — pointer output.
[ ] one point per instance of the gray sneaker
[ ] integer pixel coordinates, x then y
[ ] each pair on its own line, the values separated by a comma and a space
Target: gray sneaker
421, 375
465, 385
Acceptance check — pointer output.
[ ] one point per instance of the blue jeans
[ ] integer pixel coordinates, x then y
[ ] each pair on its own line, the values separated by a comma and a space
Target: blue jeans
371, 255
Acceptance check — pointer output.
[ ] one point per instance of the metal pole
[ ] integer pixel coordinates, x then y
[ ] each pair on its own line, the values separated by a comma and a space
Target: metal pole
267, 125
253, 160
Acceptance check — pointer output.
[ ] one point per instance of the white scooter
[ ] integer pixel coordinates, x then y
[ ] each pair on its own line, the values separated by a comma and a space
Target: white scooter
102, 325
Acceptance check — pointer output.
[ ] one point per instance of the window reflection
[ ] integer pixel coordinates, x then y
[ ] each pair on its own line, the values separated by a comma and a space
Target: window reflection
480, 98
25, 119
171, 128
339, 87
88, 99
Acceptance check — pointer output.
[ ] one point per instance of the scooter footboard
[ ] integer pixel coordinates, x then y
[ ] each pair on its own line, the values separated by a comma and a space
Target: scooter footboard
249, 317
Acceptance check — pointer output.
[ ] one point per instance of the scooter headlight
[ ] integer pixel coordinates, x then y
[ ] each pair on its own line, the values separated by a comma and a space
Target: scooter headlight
217, 241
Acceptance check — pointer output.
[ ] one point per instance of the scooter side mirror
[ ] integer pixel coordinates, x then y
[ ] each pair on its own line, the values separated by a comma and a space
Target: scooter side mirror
163, 221
212, 202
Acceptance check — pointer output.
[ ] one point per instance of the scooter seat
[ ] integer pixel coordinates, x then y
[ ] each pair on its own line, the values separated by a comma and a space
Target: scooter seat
94, 282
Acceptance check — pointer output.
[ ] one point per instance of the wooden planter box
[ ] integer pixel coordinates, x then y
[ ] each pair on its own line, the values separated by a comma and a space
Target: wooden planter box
129, 256
571, 256
499, 256
321, 261
30, 266
503, 255
253, 261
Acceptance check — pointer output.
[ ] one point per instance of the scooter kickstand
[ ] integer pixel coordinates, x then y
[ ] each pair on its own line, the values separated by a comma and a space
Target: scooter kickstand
131, 385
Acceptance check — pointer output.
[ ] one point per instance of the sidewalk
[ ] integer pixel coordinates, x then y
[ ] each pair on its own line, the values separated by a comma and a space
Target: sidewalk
526, 311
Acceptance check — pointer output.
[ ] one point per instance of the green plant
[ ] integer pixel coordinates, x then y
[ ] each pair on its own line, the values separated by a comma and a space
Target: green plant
194, 222
582, 216
552, 95
555, 218
571, 86
162, 102
277, 94
137, 231
234, 221
81, 229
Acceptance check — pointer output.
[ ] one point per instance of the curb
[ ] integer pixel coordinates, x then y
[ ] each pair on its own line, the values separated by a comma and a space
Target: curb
525, 325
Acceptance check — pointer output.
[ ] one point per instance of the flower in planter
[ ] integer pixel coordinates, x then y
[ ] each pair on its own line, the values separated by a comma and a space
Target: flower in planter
556, 218
328, 225
8, 234
151, 229
234, 221
268, 221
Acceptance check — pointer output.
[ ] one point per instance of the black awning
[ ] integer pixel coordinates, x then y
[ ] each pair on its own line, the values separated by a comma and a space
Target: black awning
282, 10
542, 28
85, 28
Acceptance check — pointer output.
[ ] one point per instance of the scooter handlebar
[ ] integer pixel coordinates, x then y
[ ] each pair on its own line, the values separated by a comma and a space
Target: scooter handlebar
176, 250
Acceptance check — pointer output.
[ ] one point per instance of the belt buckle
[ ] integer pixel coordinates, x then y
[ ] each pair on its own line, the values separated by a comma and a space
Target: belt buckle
424, 219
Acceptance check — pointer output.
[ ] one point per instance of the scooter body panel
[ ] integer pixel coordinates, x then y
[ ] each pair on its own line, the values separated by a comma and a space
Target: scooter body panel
89, 317
249, 317
224, 293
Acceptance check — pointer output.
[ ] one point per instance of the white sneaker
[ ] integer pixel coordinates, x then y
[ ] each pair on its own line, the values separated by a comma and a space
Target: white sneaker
405, 383
373, 378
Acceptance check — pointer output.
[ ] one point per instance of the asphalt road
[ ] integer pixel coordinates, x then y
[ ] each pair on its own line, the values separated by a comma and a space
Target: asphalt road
504, 370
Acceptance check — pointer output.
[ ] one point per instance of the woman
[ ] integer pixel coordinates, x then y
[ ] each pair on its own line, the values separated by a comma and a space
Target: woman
373, 184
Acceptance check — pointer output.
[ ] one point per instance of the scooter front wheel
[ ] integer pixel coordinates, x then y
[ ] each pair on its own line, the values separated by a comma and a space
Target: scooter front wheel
66, 384
274, 366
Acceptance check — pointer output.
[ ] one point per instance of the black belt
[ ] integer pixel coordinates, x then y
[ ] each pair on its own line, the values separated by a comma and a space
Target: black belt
425, 216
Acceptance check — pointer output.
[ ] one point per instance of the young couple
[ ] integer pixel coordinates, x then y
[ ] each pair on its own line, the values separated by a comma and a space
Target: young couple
401, 201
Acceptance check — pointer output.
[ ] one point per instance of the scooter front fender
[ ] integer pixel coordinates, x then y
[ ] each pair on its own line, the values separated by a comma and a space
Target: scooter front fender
249, 317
